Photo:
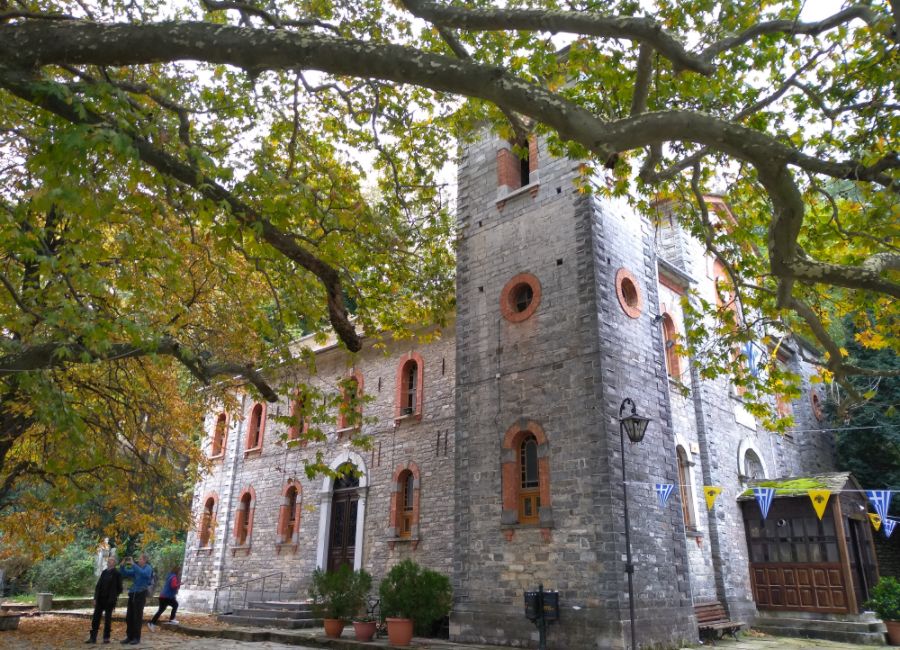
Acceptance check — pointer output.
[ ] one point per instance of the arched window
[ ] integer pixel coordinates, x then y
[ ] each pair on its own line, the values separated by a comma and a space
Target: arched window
219, 435
526, 476
299, 419
243, 521
207, 529
515, 172
289, 514
685, 488
350, 415
405, 502
256, 426
670, 336
529, 482
753, 467
410, 381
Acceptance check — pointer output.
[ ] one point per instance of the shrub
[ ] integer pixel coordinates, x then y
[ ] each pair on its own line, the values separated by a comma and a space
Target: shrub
163, 558
411, 591
70, 573
341, 593
884, 599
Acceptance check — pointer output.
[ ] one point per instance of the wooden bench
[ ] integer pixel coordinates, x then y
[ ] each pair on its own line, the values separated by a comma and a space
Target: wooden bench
713, 622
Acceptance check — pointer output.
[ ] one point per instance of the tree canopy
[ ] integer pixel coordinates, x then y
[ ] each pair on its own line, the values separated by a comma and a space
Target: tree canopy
186, 187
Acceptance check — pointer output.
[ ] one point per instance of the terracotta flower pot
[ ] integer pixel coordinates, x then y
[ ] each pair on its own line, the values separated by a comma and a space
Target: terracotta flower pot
365, 630
893, 632
400, 631
333, 627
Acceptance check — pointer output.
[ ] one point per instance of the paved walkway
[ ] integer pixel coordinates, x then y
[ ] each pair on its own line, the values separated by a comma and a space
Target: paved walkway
199, 632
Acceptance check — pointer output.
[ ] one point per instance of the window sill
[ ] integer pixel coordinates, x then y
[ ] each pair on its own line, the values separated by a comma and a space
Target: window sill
296, 442
286, 547
531, 188
245, 549
693, 532
256, 451
509, 530
217, 456
346, 430
414, 541
205, 550
408, 416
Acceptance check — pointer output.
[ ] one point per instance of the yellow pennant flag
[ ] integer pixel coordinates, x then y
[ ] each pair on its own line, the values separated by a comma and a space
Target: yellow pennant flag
819, 500
875, 518
711, 492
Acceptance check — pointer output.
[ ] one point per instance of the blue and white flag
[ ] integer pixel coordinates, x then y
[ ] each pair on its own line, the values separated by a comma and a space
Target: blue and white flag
889, 526
881, 500
663, 491
764, 497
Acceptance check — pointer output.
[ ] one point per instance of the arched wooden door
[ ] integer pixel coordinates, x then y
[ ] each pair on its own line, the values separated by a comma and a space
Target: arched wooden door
342, 527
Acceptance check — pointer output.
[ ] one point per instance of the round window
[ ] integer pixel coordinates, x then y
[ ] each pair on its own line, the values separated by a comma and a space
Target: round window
520, 297
628, 293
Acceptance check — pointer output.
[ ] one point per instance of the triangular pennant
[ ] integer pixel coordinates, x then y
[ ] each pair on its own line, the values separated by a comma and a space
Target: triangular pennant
881, 501
819, 500
764, 497
889, 527
875, 519
663, 491
711, 492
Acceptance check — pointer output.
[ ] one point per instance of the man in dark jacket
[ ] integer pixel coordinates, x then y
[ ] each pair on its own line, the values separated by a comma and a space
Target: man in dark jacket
108, 588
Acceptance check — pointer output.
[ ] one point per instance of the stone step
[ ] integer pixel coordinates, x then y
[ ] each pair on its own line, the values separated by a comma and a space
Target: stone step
258, 621
300, 614
860, 630
296, 605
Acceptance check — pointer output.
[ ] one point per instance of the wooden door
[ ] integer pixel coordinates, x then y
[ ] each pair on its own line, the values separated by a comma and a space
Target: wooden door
342, 528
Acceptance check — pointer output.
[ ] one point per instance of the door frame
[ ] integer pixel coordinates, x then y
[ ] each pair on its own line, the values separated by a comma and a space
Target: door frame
325, 496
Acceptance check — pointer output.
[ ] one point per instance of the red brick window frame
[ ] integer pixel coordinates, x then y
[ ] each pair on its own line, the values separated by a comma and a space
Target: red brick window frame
628, 292
243, 520
685, 489
289, 513
206, 530
816, 401
525, 441
410, 383
220, 436
299, 420
520, 297
670, 340
783, 406
405, 495
515, 172
350, 393
256, 427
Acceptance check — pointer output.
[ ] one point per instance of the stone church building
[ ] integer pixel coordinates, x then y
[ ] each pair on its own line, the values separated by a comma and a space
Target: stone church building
496, 456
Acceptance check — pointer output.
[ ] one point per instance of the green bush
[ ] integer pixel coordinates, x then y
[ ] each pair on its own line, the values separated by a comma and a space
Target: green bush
341, 593
163, 558
70, 573
884, 599
411, 591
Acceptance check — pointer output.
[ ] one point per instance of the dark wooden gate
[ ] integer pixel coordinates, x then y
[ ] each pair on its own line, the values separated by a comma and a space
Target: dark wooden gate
342, 528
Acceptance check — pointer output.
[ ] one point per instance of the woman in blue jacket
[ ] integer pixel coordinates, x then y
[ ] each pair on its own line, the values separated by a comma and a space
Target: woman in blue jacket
142, 574
167, 598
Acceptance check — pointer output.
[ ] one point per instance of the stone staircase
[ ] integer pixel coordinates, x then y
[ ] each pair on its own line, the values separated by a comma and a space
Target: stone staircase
280, 614
862, 629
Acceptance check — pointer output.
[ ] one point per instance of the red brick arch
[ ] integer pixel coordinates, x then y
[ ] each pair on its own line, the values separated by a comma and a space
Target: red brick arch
400, 474
343, 419
246, 508
289, 528
628, 291
256, 427
510, 471
400, 391
219, 435
207, 525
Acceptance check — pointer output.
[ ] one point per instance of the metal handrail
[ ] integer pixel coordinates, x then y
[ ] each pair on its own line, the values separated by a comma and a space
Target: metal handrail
246, 584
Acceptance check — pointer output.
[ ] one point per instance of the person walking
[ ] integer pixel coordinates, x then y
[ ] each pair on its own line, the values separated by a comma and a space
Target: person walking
167, 598
106, 592
142, 574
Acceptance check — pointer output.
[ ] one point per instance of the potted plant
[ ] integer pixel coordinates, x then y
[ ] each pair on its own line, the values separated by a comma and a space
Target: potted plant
338, 596
884, 600
413, 598
364, 627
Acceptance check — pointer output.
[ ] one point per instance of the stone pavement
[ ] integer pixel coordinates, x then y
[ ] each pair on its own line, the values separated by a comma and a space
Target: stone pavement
199, 632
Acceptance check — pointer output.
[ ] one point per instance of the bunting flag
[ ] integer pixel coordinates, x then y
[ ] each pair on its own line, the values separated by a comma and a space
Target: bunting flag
889, 526
663, 491
711, 492
819, 500
881, 500
875, 519
764, 497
